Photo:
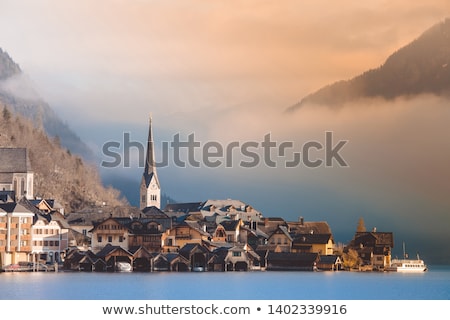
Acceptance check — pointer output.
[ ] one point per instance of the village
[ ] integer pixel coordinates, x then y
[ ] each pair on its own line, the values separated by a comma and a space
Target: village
219, 235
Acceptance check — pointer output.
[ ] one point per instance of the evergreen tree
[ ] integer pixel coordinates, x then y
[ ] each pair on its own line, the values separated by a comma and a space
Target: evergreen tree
361, 227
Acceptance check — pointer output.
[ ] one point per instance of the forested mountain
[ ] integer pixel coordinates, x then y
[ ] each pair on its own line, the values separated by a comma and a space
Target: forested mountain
421, 67
58, 174
17, 91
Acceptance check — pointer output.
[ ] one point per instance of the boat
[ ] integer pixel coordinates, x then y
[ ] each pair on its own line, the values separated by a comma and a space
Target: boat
123, 267
407, 265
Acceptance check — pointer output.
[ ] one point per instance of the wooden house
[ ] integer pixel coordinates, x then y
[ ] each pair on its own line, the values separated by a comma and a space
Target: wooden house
182, 234
291, 261
312, 242
281, 239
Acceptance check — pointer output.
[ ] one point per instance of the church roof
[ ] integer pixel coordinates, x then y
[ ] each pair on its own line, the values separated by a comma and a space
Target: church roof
14, 160
150, 167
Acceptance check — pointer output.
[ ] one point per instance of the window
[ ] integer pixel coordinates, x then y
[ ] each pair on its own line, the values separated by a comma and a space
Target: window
236, 253
99, 239
109, 238
120, 238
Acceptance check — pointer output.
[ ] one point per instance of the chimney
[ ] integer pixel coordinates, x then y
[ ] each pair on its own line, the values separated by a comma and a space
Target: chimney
301, 221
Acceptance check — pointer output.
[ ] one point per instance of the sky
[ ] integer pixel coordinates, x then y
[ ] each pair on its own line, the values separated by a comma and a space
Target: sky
225, 71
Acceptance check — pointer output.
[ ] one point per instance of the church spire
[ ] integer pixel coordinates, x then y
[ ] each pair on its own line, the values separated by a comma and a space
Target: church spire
150, 158
150, 190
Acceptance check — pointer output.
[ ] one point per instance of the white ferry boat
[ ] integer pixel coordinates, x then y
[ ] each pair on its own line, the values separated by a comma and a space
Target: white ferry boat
407, 265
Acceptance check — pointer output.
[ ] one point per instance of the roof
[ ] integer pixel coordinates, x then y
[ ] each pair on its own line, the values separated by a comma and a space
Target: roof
311, 238
14, 160
108, 249
14, 207
230, 225
329, 259
310, 226
380, 238
282, 230
291, 256
154, 213
185, 207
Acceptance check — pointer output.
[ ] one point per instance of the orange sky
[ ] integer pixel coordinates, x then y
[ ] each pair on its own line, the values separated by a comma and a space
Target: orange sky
213, 54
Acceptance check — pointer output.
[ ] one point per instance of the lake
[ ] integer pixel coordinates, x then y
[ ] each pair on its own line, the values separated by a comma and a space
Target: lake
431, 285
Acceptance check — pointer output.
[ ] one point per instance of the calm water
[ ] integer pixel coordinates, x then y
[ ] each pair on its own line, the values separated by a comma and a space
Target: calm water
431, 285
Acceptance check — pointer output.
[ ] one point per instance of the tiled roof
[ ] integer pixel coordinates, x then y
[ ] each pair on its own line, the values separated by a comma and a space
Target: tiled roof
186, 207
154, 213
230, 225
14, 160
313, 238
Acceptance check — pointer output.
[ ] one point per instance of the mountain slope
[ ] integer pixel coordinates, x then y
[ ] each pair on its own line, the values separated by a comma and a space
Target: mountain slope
17, 91
423, 66
58, 174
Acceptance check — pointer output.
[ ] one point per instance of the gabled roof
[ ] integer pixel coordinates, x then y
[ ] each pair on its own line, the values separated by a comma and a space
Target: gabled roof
311, 238
282, 230
109, 249
230, 225
189, 248
14, 160
303, 227
154, 213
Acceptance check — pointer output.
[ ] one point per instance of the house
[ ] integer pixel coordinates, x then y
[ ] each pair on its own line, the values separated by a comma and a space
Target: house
280, 239
112, 231
50, 234
238, 258
170, 261
303, 227
290, 261
374, 248
329, 263
228, 230
182, 234
216, 261
197, 255
16, 222
112, 255
270, 224
312, 242
251, 235
47, 205
15, 172
78, 260
142, 259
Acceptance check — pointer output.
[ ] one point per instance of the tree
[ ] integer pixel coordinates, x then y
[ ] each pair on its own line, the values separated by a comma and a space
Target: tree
6, 114
351, 259
361, 227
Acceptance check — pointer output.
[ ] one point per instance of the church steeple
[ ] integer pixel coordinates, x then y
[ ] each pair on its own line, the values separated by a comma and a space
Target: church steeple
150, 191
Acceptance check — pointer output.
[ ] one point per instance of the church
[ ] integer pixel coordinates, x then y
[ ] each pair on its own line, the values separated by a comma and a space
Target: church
150, 189
16, 175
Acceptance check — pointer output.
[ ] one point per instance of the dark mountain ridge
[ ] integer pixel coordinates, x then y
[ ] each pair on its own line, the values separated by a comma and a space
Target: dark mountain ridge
421, 67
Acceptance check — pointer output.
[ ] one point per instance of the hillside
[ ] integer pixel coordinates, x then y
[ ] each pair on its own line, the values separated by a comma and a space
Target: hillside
18, 92
421, 67
58, 173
